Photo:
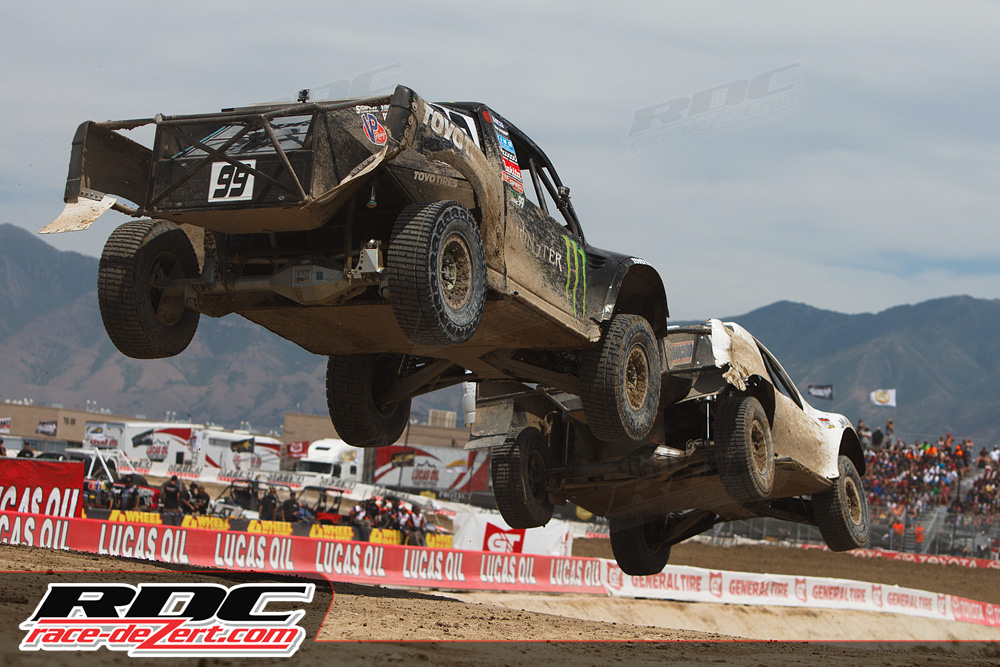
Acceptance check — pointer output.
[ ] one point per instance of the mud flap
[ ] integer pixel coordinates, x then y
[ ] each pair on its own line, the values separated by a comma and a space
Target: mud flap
79, 215
491, 426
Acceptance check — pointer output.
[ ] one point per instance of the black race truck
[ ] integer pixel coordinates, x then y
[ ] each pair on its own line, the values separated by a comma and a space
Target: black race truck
421, 245
417, 245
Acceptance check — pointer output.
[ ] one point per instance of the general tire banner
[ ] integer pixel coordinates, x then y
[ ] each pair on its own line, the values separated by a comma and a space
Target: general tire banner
699, 585
41, 487
415, 567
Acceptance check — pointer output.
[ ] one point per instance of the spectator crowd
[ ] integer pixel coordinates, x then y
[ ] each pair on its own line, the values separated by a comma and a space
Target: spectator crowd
391, 514
905, 479
374, 513
916, 476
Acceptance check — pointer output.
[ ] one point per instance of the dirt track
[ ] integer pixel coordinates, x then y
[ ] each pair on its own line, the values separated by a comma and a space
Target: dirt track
626, 632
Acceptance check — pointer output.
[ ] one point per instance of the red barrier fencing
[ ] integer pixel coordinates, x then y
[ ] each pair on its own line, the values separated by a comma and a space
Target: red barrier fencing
266, 550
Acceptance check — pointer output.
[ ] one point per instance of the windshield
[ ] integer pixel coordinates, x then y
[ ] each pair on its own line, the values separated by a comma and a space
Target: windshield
315, 466
291, 133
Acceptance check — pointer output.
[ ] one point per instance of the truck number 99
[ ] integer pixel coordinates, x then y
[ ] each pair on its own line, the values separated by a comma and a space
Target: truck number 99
231, 184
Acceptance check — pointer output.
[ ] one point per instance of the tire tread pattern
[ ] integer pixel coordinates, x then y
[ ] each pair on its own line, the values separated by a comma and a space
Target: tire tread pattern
734, 453
350, 400
603, 392
119, 286
832, 514
517, 505
420, 312
630, 545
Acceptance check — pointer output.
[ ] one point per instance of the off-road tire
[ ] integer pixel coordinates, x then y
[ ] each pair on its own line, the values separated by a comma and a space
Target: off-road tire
637, 546
437, 273
842, 511
621, 380
141, 321
744, 449
518, 486
136, 479
354, 384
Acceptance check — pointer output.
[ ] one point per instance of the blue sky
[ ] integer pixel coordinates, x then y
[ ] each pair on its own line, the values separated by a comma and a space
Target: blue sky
859, 167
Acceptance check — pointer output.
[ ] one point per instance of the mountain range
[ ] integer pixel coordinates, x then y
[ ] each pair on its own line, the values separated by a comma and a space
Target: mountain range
939, 355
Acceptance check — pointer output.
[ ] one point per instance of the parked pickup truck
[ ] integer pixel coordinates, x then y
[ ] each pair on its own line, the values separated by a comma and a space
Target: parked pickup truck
417, 245
732, 439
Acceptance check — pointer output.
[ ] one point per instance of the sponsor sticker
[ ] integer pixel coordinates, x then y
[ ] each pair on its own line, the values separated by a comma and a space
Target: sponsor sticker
373, 129
163, 620
503, 541
362, 109
512, 169
451, 125
681, 352
514, 183
506, 144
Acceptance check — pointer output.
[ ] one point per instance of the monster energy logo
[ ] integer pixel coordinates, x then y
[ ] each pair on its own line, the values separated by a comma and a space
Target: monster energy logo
576, 272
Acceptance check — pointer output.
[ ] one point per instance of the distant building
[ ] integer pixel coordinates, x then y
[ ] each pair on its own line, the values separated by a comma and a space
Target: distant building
442, 418
309, 428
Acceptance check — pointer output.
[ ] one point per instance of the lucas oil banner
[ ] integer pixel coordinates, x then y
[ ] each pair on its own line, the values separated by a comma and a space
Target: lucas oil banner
270, 548
41, 487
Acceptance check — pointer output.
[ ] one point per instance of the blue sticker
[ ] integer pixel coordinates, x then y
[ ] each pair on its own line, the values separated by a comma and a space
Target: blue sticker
505, 143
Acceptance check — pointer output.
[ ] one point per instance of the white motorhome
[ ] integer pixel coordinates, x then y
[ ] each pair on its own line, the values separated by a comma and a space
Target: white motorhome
331, 457
166, 442
235, 450
175, 444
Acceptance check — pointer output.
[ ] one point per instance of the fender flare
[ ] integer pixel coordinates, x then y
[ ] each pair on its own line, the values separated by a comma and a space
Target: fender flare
850, 446
638, 289
406, 128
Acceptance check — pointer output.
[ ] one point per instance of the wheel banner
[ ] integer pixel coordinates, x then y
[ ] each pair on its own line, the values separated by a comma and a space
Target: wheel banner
145, 536
41, 487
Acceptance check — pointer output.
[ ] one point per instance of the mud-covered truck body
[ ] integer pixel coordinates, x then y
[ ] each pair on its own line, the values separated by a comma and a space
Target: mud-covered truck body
417, 245
732, 439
